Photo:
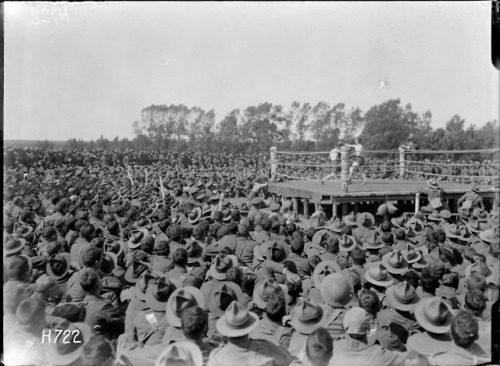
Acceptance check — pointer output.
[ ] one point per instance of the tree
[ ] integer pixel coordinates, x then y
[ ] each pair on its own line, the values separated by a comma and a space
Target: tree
388, 125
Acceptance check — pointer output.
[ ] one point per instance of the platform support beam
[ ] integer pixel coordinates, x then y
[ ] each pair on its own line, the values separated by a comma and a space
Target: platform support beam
417, 202
401, 162
344, 165
295, 206
344, 209
274, 164
334, 207
305, 202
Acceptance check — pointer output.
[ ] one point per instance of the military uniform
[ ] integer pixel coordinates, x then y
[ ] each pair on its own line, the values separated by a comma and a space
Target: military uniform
350, 351
248, 352
457, 356
273, 332
429, 344
150, 324
407, 320
244, 250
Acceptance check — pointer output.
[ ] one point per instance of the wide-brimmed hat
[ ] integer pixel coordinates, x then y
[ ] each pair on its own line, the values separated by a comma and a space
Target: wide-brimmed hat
194, 215
306, 316
336, 225
395, 262
181, 299
222, 295
109, 262
147, 277
366, 220
402, 296
490, 236
13, 245
415, 224
318, 236
410, 253
477, 226
480, 214
180, 353
237, 321
434, 216
378, 275
324, 269
195, 251
142, 222
277, 251
113, 246
453, 231
350, 220
372, 241
22, 230
60, 351
226, 215
138, 265
135, 238
335, 290
399, 221
433, 183
264, 289
386, 208
158, 293
434, 315
346, 243
220, 265
58, 265
481, 268
422, 262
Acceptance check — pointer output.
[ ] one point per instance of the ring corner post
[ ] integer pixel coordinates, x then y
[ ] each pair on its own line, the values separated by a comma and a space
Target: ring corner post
401, 162
344, 168
272, 151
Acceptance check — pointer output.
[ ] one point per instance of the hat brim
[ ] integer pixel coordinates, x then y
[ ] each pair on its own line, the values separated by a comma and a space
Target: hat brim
16, 249
153, 303
360, 218
129, 275
131, 245
172, 318
56, 358
308, 328
192, 348
246, 328
410, 306
321, 266
212, 306
259, 301
424, 323
369, 278
67, 259
396, 224
393, 270
370, 247
348, 222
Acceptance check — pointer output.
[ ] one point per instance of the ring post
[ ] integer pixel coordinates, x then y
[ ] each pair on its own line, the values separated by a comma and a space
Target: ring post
344, 158
273, 162
401, 162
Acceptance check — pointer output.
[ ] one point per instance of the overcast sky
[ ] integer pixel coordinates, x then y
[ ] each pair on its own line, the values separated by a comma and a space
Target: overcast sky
82, 70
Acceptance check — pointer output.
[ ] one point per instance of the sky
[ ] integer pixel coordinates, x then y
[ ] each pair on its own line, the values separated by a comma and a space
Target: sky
82, 70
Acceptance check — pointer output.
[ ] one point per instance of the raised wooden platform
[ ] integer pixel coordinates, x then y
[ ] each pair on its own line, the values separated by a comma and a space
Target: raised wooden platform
373, 192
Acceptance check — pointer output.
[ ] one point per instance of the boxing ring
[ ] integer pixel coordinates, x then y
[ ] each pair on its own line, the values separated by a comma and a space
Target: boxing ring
338, 198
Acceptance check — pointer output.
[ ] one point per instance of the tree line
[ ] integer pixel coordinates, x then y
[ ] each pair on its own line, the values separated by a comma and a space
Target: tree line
301, 127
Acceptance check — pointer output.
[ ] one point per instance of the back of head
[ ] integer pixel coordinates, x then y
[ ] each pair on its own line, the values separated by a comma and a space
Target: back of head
235, 274
370, 301
91, 256
464, 329
476, 281
233, 227
18, 268
194, 323
89, 280
266, 224
276, 306
429, 280
400, 234
180, 257
332, 245
319, 347
475, 301
97, 351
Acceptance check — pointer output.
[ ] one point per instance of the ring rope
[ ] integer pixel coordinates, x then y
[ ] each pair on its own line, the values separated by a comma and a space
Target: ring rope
483, 151
455, 176
450, 164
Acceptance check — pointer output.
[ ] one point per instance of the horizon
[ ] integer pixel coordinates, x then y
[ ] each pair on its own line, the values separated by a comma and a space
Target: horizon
89, 69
